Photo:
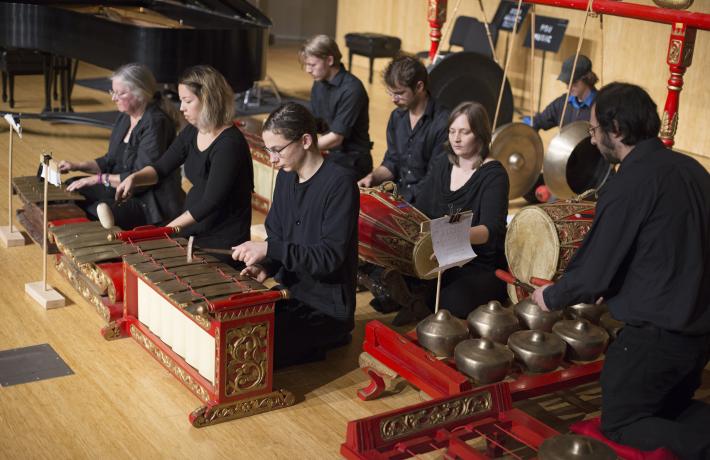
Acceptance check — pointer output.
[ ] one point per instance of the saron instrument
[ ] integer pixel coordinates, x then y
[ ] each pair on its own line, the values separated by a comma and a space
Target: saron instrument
542, 239
390, 233
212, 328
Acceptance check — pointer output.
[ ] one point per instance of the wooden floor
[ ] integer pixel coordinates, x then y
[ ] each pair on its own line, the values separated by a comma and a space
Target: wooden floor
120, 403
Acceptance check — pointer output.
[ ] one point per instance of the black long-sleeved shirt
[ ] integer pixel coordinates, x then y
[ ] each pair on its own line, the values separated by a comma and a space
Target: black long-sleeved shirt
411, 152
648, 251
576, 111
222, 182
485, 193
312, 239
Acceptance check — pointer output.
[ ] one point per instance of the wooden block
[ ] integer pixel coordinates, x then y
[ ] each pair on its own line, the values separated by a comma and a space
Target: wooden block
11, 239
258, 232
48, 298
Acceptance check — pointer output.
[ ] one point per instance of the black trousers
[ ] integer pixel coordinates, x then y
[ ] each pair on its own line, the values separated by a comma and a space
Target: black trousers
649, 378
303, 334
127, 214
465, 288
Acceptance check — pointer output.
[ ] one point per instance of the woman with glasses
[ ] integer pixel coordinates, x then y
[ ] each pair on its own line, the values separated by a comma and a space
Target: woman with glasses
216, 161
143, 131
311, 247
467, 179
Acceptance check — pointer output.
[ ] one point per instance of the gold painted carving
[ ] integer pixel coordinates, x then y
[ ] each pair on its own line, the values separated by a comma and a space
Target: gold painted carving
402, 425
674, 51
74, 277
112, 331
247, 358
205, 416
169, 364
248, 312
669, 125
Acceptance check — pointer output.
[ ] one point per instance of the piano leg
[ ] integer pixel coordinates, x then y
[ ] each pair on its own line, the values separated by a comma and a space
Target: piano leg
382, 378
213, 413
48, 78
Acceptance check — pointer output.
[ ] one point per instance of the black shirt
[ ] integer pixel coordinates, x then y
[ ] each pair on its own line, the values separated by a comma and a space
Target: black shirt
149, 139
485, 193
312, 237
343, 103
648, 251
222, 182
411, 152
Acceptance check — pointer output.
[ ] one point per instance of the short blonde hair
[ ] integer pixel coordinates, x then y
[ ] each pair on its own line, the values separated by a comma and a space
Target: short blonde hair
214, 93
321, 46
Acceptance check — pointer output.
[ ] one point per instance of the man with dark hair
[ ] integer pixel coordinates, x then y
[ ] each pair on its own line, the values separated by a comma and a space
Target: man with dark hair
338, 99
416, 130
648, 254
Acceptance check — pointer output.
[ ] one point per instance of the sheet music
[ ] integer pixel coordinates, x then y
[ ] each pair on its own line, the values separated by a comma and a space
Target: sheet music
451, 242
53, 177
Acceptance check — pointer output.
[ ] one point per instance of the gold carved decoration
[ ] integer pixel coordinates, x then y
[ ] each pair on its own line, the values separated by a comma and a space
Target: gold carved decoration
169, 364
248, 312
669, 125
74, 277
205, 416
112, 331
402, 425
674, 51
247, 358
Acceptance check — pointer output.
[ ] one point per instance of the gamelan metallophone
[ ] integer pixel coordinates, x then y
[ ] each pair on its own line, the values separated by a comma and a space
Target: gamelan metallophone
264, 173
212, 328
60, 205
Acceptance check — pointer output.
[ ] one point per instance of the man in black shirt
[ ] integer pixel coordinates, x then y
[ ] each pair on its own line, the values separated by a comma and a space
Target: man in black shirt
416, 131
311, 247
648, 254
339, 99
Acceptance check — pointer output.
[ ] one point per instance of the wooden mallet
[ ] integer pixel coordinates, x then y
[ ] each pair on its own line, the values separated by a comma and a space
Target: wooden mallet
191, 247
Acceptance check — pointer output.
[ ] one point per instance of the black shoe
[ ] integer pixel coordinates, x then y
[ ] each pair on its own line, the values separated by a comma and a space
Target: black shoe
384, 305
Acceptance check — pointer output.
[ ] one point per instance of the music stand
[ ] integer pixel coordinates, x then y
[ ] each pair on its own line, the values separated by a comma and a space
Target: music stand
549, 33
9, 236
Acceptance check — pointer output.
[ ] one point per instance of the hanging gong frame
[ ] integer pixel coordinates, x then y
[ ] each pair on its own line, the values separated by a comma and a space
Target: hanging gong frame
469, 76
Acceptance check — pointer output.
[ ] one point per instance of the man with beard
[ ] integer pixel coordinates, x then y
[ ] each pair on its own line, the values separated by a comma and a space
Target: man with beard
416, 131
648, 254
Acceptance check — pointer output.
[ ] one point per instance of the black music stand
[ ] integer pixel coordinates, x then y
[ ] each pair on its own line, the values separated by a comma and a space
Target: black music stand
549, 33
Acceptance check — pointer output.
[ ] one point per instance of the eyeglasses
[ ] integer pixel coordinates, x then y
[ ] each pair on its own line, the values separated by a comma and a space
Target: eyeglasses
273, 151
591, 130
396, 94
118, 95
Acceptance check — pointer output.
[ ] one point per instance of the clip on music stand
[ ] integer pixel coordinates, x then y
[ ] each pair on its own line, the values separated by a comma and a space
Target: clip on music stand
9, 236
40, 291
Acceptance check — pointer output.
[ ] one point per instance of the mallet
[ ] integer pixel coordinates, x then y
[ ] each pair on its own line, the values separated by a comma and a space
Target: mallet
191, 247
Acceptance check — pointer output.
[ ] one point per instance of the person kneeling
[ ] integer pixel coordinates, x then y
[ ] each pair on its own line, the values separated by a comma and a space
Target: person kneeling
311, 246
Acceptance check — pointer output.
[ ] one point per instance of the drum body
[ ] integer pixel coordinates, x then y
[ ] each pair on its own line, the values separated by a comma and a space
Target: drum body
542, 239
389, 234
572, 165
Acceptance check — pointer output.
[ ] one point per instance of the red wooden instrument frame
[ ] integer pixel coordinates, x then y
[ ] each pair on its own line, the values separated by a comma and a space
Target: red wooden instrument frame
439, 378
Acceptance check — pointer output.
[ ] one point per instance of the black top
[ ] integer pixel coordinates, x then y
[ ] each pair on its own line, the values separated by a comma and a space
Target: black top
312, 236
485, 193
151, 136
551, 116
222, 182
410, 152
343, 103
648, 251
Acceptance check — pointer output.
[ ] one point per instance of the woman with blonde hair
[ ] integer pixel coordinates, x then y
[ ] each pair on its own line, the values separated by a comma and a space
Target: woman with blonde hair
216, 159
143, 131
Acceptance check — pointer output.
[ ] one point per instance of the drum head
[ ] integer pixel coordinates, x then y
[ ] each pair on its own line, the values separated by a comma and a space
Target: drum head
468, 76
519, 148
532, 246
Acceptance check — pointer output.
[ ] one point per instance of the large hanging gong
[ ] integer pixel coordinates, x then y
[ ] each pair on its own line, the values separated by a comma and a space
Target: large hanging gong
572, 164
468, 76
519, 148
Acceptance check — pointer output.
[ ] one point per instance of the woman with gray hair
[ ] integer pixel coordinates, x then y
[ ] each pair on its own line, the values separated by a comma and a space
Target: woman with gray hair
143, 131
217, 162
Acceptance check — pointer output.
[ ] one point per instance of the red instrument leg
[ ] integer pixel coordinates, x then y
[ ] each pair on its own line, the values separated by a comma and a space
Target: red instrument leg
679, 58
436, 15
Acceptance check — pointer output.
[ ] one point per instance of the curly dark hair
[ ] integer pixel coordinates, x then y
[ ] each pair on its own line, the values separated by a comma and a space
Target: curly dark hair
627, 110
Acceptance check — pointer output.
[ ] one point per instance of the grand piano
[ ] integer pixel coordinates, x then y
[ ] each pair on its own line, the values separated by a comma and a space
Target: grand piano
166, 35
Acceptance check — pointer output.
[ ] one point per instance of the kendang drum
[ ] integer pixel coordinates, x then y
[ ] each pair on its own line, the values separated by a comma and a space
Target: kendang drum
390, 234
542, 239
572, 165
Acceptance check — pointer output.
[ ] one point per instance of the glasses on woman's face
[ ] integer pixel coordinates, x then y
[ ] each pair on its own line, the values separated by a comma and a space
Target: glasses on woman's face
276, 151
118, 94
